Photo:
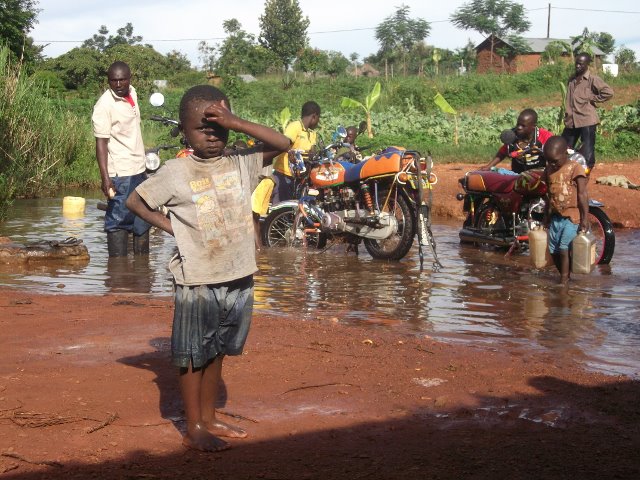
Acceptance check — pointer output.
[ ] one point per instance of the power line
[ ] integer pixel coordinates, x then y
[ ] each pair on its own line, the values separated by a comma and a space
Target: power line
343, 30
591, 10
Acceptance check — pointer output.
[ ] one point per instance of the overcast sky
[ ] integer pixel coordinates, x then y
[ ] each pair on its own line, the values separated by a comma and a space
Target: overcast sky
346, 26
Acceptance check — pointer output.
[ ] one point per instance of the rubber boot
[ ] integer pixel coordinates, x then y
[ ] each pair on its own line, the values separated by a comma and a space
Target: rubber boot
117, 243
141, 244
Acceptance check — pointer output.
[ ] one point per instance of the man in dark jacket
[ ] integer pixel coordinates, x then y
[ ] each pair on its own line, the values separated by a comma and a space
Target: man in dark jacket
584, 90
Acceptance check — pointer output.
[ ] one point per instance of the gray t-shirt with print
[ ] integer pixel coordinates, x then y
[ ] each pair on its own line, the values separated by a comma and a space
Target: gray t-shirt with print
209, 204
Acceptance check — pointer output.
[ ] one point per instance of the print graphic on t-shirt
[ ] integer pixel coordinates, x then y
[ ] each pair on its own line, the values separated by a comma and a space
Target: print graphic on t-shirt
219, 208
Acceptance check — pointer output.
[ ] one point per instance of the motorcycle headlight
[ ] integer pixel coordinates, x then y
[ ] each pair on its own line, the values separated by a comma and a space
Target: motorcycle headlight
152, 160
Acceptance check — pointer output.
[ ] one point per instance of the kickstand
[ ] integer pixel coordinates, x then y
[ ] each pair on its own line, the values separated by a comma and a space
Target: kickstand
512, 248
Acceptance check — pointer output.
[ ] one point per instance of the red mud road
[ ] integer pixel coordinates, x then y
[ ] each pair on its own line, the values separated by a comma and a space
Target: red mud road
86, 392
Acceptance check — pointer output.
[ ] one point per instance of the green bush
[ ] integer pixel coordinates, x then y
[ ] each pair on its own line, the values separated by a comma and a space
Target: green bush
46, 138
40, 142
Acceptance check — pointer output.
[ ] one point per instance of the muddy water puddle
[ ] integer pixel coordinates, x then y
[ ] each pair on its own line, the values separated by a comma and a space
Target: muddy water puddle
478, 296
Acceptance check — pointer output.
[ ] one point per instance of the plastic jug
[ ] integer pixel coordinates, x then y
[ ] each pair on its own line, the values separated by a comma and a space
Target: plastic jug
73, 207
538, 248
583, 255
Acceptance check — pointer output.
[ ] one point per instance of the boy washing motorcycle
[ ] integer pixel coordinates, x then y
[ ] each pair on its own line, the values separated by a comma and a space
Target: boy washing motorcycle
524, 146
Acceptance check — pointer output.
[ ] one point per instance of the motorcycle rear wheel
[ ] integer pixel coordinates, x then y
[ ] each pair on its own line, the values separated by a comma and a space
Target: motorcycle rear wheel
278, 231
490, 222
399, 244
602, 228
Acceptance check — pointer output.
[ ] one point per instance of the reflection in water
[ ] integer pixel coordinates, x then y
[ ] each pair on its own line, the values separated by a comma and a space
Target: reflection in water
479, 295
126, 274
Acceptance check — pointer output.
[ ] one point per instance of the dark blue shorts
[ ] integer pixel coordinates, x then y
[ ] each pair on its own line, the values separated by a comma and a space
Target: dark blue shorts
118, 216
210, 320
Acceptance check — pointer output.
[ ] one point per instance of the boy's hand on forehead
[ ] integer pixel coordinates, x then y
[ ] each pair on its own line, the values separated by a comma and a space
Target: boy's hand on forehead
219, 113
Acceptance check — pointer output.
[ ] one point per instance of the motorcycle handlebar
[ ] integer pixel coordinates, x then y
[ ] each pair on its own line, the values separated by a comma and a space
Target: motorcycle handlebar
164, 120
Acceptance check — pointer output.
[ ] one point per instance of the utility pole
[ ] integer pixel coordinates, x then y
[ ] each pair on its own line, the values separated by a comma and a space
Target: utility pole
548, 20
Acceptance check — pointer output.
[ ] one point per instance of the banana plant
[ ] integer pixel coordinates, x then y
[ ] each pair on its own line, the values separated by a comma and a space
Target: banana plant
283, 118
371, 99
560, 121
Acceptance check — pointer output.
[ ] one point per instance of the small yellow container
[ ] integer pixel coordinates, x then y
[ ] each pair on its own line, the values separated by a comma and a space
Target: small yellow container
73, 206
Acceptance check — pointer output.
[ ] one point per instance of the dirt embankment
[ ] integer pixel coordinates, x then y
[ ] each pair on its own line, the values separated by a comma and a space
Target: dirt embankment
621, 204
86, 391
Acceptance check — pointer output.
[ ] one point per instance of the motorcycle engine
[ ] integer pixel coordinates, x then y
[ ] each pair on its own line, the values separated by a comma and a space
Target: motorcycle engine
334, 199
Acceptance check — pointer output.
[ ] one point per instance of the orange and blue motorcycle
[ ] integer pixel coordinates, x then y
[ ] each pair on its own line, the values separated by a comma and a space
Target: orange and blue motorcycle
382, 201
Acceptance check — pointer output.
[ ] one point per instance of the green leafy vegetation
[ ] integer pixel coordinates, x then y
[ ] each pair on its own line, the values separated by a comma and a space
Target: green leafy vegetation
48, 143
41, 144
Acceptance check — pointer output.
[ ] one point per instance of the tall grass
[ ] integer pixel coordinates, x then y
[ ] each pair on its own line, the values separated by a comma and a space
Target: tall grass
40, 142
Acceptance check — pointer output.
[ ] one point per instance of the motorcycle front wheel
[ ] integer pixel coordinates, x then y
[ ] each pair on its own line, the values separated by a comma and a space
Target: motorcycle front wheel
283, 228
397, 245
602, 228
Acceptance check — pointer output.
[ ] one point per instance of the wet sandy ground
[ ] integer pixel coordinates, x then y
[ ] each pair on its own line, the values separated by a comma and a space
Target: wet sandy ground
478, 296
86, 392
335, 383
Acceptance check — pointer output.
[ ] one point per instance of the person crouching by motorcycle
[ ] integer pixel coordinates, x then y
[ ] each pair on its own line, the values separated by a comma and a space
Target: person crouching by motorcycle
302, 135
349, 151
567, 203
524, 145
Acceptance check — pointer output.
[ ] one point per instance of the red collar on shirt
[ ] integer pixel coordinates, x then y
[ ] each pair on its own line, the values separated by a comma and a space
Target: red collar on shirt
129, 99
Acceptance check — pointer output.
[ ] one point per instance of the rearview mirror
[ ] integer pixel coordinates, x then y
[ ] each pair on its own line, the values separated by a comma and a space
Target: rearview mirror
156, 99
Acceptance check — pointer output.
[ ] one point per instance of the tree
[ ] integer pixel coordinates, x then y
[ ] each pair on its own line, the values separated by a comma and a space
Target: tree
85, 68
583, 43
207, 56
466, 56
605, 42
146, 64
625, 58
436, 57
239, 52
311, 60
587, 41
178, 61
498, 18
399, 33
283, 29
354, 59
98, 41
102, 42
337, 63
17, 20
556, 49
79, 68
124, 36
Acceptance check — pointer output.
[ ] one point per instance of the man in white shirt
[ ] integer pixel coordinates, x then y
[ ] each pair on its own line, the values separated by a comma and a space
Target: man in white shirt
120, 155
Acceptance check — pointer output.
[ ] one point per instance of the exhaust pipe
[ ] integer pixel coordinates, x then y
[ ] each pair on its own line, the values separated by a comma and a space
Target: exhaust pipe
467, 235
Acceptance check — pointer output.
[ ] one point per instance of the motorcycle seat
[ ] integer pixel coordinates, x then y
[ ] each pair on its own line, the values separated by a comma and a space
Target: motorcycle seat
352, 171
487, 181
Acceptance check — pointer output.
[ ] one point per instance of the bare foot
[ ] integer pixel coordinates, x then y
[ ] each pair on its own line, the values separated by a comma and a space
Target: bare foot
222, 429
199, 438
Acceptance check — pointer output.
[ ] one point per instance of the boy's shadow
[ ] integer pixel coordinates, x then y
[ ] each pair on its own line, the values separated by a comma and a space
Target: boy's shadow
159, 362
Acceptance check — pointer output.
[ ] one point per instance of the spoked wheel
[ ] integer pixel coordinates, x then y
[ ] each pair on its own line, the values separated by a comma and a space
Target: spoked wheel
279, 231
602, 228
397, 245
489, 221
